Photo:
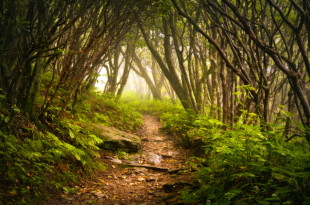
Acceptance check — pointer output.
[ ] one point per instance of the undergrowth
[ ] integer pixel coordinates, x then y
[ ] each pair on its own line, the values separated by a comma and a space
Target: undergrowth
53, 153
154, 107
106, 109
245, 165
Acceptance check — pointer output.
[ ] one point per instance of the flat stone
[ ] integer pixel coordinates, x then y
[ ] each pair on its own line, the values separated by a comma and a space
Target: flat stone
115, 139
117, 161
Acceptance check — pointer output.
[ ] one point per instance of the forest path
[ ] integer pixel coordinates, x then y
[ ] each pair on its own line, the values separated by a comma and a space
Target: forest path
121, 184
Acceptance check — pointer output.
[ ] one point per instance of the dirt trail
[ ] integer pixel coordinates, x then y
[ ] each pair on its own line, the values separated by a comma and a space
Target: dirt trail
121, 184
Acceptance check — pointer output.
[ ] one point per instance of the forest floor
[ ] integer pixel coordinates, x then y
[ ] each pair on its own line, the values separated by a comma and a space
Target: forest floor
156, 175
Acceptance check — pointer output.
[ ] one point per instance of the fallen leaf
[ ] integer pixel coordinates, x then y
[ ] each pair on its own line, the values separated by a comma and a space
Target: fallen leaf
141, 179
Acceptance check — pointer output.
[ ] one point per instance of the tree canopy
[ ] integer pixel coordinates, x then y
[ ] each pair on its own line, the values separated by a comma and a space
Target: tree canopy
225, 59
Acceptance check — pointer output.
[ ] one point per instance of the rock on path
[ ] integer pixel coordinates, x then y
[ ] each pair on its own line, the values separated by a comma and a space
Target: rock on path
115, 139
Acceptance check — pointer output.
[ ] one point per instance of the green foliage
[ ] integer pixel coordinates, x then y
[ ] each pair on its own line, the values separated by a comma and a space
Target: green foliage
245, 165
178, 123
106, 109
28, 163
80, 135
154, 107
34, 160
22, 168
243, 93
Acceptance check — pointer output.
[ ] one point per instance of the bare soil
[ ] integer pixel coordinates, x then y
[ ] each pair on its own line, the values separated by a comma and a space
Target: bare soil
121, 184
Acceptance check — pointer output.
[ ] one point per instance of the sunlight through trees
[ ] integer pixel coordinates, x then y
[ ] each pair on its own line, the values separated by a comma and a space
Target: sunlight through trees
230, 75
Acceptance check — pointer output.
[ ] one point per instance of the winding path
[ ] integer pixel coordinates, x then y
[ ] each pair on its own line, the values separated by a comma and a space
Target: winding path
137, 185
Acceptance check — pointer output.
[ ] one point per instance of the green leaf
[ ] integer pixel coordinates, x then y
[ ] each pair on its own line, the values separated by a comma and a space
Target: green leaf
273, 199
77, 156
284, 190
245, 174
2, 97
237, 93
6, 119
71, 134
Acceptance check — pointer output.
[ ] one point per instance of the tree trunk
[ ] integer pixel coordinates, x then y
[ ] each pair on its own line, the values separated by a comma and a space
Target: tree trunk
225, 93
186, 85
129, 51
169, 72
146, 77
213, 68
28, 106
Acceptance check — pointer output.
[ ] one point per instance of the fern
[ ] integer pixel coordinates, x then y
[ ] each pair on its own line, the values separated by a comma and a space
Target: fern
252, 168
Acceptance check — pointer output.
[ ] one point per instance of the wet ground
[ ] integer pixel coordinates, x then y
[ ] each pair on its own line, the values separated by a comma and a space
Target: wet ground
156, 175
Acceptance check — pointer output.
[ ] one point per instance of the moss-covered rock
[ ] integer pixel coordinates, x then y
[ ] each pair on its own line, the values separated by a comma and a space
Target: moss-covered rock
115, 139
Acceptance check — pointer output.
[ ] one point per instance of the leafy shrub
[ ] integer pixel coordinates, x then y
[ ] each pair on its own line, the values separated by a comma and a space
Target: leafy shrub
245, 165
27, 163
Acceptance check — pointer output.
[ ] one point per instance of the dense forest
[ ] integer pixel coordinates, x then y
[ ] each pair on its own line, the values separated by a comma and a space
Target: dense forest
228, 79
